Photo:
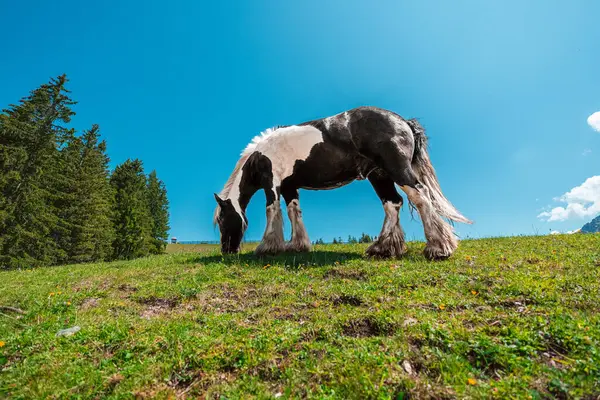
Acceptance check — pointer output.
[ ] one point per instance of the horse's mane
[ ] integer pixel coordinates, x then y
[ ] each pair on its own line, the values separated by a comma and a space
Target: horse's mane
238, 166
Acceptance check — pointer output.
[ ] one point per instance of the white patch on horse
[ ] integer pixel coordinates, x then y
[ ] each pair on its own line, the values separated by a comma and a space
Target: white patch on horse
232, 181
234, 194
346, 119
285, 146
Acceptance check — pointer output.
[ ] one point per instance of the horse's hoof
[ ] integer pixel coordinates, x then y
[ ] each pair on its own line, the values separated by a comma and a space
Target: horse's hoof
291, 247
376, 250
436, 254
268, 251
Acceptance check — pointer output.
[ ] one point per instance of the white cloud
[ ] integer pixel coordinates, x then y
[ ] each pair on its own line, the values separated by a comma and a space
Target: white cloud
586, 152
594, 121
581, 202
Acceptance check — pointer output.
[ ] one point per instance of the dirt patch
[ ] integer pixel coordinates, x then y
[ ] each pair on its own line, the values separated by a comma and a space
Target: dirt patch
114, 380
270, 371
468, 324
416, 342
182, 378
156, 306
341, 273
520, 304
287, 314
158, 301
443, 307
367, 327
127, 288
90, 302
222, 299
92, 284
347, 299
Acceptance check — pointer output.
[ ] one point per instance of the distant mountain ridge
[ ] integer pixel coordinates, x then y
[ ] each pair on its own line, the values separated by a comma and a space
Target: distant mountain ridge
592, 226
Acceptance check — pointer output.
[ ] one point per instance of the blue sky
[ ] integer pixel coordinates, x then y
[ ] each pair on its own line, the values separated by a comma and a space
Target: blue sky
503, 88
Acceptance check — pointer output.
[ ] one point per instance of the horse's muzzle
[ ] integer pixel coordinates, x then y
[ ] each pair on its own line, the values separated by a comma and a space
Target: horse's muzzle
230, 250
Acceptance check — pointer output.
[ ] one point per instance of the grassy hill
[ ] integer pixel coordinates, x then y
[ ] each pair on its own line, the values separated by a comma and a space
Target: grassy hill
503, 318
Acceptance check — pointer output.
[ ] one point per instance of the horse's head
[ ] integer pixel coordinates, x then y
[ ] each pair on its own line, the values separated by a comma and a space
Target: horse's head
231, 226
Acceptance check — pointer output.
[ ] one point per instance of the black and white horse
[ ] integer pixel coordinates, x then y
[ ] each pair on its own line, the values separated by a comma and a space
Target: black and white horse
362, 143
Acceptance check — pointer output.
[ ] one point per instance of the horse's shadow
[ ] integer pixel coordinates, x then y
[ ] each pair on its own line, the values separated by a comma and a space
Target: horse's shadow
315, 258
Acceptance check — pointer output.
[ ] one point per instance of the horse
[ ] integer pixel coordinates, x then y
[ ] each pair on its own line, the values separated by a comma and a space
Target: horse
362, 143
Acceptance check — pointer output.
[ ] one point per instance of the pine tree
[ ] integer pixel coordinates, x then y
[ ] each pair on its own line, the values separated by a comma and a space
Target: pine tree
131, 219
88, 201
365, 238
31, 134
159, 211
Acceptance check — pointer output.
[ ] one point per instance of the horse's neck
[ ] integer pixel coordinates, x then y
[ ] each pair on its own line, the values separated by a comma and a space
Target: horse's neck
242, 192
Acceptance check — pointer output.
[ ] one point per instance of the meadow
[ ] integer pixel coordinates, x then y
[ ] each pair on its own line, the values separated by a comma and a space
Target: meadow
503, 318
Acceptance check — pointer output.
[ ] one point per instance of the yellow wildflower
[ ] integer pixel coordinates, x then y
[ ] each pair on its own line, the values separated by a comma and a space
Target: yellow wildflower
442, 306
474, 291
51, 294
68, 303
2, 344
471, 381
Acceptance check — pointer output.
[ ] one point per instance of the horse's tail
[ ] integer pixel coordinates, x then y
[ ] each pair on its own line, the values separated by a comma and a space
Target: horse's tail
422, 166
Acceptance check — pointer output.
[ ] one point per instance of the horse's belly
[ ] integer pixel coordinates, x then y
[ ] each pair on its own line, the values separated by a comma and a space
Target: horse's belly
328, 185
326, 178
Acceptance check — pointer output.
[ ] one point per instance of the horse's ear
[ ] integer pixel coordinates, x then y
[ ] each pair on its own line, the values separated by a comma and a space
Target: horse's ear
220, 201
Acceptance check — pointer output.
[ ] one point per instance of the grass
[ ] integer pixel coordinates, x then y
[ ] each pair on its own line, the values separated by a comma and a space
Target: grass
503, 318
190, 248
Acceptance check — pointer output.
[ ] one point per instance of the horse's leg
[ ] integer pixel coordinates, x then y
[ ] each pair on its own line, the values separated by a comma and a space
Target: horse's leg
441, 242
272, 241
300, 241
390, 242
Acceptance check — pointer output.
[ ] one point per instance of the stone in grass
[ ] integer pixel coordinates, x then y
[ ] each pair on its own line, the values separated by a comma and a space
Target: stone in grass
69, 331
407, 367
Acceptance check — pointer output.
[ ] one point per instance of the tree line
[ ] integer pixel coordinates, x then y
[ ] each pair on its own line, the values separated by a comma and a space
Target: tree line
364, 238
59, 202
